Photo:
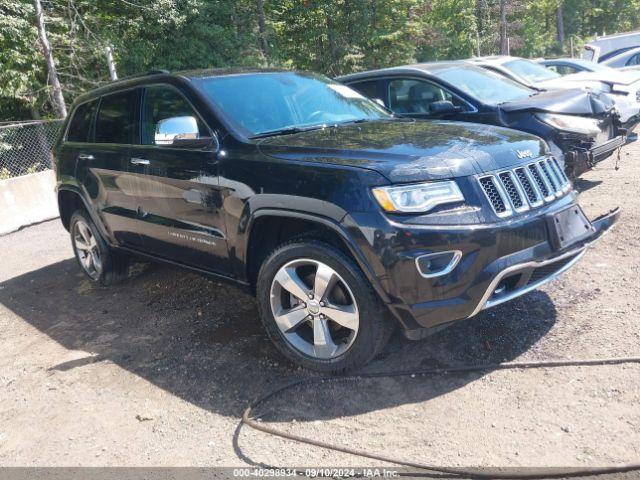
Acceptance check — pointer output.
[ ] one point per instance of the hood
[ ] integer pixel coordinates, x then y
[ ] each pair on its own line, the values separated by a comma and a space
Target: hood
572, 102
581, 83
618, 78
410, 151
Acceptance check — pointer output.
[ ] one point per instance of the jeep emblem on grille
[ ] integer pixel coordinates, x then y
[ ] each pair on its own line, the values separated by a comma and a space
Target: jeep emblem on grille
524, 153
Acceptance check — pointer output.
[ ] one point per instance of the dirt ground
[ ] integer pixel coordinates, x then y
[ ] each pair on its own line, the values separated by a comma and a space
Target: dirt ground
157, 371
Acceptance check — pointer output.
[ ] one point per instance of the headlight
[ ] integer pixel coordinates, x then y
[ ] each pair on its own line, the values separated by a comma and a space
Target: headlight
571, 123
420, 197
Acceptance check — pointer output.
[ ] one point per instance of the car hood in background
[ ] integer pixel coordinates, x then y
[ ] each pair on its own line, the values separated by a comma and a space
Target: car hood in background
570, 101
566, 82
410, 151
618, 78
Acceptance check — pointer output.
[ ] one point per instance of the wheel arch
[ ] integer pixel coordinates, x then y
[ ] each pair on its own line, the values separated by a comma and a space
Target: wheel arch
71, 199
268, 228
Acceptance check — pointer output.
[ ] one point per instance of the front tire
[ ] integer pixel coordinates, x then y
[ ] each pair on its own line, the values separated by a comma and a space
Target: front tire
319, 309
97, 260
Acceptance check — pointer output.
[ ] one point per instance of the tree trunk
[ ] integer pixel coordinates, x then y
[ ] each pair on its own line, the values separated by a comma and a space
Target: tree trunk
58, 99
113, 75
560, 25
504, 47
262, 29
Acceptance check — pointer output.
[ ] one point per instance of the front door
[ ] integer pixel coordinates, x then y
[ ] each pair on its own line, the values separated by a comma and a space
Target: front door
177, 192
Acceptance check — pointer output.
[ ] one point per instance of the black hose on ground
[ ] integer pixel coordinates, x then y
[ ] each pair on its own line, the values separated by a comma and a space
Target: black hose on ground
495, 473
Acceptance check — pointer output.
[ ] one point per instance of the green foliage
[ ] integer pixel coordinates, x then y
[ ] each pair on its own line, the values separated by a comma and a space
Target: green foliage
330, 36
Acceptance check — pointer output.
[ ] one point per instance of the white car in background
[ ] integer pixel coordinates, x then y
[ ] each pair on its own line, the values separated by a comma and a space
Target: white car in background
607, 46
623, 87
626, 59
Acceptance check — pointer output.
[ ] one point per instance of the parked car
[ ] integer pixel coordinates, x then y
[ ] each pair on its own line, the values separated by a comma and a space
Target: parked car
563, 73
533, 75
624, 89
342, 219
627, 59
581, 128
568, 66
607, 46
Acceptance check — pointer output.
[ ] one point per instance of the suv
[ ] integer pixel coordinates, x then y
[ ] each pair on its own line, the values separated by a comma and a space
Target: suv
342, 219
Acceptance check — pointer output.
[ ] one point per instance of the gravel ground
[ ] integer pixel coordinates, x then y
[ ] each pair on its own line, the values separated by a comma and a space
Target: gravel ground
157, 371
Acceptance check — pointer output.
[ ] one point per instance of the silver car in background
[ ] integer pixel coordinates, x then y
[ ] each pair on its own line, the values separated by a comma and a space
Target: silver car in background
622, 87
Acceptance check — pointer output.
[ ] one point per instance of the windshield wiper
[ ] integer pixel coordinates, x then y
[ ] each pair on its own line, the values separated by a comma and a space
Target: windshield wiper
287, 131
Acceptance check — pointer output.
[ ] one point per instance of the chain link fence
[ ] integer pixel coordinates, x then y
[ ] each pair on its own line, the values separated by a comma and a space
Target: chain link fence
26, 147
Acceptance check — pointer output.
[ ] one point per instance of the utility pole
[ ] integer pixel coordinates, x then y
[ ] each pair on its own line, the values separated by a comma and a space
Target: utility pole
504, 47
112, 66
58, 98
571, 45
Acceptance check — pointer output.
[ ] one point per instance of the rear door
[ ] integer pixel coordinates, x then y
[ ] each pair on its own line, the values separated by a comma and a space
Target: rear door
177, 189
102, 162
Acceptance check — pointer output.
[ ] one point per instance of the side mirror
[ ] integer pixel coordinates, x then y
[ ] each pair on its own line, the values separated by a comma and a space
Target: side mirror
442, 106
180, 132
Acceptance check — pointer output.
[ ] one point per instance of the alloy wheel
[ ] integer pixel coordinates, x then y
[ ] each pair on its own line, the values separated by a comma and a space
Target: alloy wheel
314, 308
87, 249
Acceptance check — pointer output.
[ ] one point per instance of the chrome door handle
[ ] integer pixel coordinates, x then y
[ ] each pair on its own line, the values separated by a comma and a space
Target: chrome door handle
140, 161
86, 156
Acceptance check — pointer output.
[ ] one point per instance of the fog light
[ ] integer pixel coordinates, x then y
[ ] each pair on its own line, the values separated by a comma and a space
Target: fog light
438, 264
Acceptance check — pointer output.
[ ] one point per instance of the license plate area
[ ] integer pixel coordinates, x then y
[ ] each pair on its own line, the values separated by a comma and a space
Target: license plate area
568, 226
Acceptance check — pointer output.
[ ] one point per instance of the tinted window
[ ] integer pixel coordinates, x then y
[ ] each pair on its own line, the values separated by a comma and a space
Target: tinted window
563, 69
635, 60
161, 103
269, 102
486, 86
368, 89
80, 124
416, 96
115, 118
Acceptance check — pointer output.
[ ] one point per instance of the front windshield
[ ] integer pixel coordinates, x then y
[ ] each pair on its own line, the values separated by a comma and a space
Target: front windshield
531, 71
483, 85
269, 102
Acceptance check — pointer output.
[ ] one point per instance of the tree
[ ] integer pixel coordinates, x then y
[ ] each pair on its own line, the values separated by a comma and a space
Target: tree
58, 99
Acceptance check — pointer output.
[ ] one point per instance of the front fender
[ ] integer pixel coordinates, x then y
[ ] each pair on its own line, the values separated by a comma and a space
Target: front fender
330, 222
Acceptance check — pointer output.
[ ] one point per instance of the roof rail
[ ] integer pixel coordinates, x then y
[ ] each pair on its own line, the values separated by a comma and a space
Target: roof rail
149, 72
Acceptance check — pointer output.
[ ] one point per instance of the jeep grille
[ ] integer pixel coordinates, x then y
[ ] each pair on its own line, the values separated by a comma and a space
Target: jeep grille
525, 187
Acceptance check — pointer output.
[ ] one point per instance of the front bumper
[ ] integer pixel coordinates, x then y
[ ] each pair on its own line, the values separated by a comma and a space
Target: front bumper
498, 263
581, 158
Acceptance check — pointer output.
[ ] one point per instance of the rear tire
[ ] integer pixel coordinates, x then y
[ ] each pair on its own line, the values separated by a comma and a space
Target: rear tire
319, 309
101, 263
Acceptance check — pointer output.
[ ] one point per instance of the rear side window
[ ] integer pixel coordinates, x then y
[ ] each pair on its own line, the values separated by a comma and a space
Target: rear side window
161, 103
115, 122
368, 89
80, 124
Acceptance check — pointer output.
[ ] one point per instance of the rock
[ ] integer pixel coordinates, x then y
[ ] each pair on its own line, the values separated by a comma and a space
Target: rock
143, 417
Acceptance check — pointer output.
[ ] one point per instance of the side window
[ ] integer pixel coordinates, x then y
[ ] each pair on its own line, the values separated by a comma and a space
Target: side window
115, 121
566, 70
162, 103
368, 89
80, 124
635, 60
416, 96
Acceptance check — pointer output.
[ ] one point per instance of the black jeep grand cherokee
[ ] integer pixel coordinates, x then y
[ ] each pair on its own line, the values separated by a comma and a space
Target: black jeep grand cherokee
340, 217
